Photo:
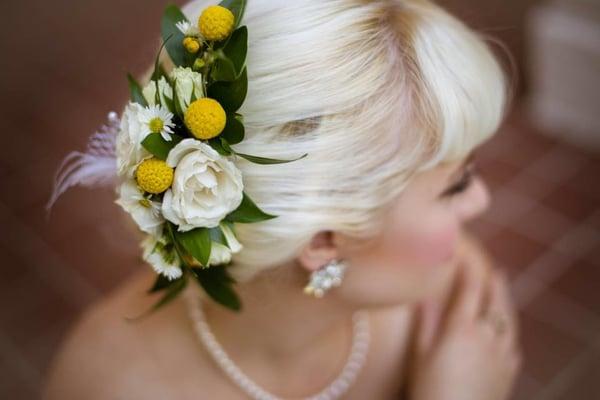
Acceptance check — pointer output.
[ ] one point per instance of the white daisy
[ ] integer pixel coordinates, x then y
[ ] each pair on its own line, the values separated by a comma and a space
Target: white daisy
162, 257
157, 119
146, 213
188, 29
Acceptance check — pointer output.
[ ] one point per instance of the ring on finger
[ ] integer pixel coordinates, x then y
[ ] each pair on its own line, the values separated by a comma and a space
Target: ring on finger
499, 322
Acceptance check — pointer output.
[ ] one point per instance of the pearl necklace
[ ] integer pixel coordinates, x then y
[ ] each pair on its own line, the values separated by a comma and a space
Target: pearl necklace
339, 386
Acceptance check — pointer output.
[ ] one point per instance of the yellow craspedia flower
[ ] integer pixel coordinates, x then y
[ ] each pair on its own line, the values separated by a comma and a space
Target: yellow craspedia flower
191, 44
154, 176
216, 22
205, 118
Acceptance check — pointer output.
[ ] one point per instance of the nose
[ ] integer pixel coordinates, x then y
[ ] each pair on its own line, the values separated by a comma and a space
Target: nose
476, 202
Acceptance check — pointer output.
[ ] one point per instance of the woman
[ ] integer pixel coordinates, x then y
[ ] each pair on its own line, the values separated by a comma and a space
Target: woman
390, 98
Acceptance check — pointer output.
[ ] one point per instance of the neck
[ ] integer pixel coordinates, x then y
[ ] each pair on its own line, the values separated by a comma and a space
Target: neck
279, 322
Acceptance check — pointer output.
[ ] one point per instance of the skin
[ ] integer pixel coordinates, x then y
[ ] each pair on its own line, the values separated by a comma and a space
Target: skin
425, 282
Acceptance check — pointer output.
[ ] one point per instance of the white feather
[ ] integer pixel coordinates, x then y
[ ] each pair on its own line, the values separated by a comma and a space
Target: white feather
95, 167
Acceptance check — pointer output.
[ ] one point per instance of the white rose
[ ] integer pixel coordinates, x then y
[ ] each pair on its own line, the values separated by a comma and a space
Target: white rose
129, 148
164, 90
187, 82
206, 186
144, 212
161, 257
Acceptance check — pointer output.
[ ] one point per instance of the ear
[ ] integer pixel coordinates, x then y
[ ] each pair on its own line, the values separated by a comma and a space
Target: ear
320, 250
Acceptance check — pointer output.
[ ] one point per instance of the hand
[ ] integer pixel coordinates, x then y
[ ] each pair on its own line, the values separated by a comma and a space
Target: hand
474, 353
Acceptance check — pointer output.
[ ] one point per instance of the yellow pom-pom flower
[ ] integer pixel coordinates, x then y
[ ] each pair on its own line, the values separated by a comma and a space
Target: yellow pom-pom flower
216, 22
191, 44
154, 176
205, 118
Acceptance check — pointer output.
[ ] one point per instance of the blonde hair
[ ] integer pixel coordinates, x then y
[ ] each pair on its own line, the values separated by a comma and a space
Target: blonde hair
373, 91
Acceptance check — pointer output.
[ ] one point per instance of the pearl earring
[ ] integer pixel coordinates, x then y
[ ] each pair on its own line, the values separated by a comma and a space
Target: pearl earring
326, 277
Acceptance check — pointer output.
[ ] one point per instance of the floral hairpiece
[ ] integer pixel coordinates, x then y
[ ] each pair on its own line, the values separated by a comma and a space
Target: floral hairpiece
171, 152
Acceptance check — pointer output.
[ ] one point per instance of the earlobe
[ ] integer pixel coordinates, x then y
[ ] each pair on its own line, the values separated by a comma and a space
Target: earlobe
319, 251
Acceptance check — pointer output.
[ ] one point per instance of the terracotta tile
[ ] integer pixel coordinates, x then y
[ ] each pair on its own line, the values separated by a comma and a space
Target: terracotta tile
527, 148
14, 267
484, 229
507, 206
585, 181
530, 185
534, 280
25, 146
514, 250
570, 203
497, 172
567, 315
593, 257
580, 283
13, 386
594, 220
559, 164
41, 350
28, 187
499, 144
537, 337
43, 261
72, 210
587, 382
39, 307
87, 252
579, 241
525, 387
543, 225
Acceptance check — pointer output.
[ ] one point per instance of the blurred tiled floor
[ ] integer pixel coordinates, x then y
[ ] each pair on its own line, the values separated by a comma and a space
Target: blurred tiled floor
543, 227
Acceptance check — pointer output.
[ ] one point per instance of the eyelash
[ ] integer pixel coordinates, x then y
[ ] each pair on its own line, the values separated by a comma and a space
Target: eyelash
462, 185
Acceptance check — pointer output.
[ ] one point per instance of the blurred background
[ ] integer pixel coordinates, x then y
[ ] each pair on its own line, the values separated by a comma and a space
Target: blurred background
63, 69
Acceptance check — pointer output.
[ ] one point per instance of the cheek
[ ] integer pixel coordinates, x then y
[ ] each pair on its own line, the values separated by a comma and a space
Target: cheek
426, 245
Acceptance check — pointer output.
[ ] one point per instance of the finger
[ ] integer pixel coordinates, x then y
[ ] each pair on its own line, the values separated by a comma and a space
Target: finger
467, 304
501, 306
427, 320
506, 299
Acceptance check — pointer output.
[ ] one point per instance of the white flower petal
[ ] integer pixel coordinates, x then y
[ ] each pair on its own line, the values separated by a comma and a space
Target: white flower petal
206, 186
147, 217
234, 245
160, 259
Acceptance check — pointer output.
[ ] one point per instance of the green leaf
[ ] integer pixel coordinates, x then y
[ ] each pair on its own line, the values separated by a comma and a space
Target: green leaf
158, 146
230, 95
234, 130
136, 91
197, 243
177, 52
248, 212
236, 49
265, 160
226, 145
231, 58
223, 68
171, 293
176, 104
237, 7
161, 283
217, 283
216, 235
158, 70
215, 143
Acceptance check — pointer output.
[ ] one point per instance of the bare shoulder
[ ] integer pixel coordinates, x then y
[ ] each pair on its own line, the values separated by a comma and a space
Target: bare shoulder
106, 356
